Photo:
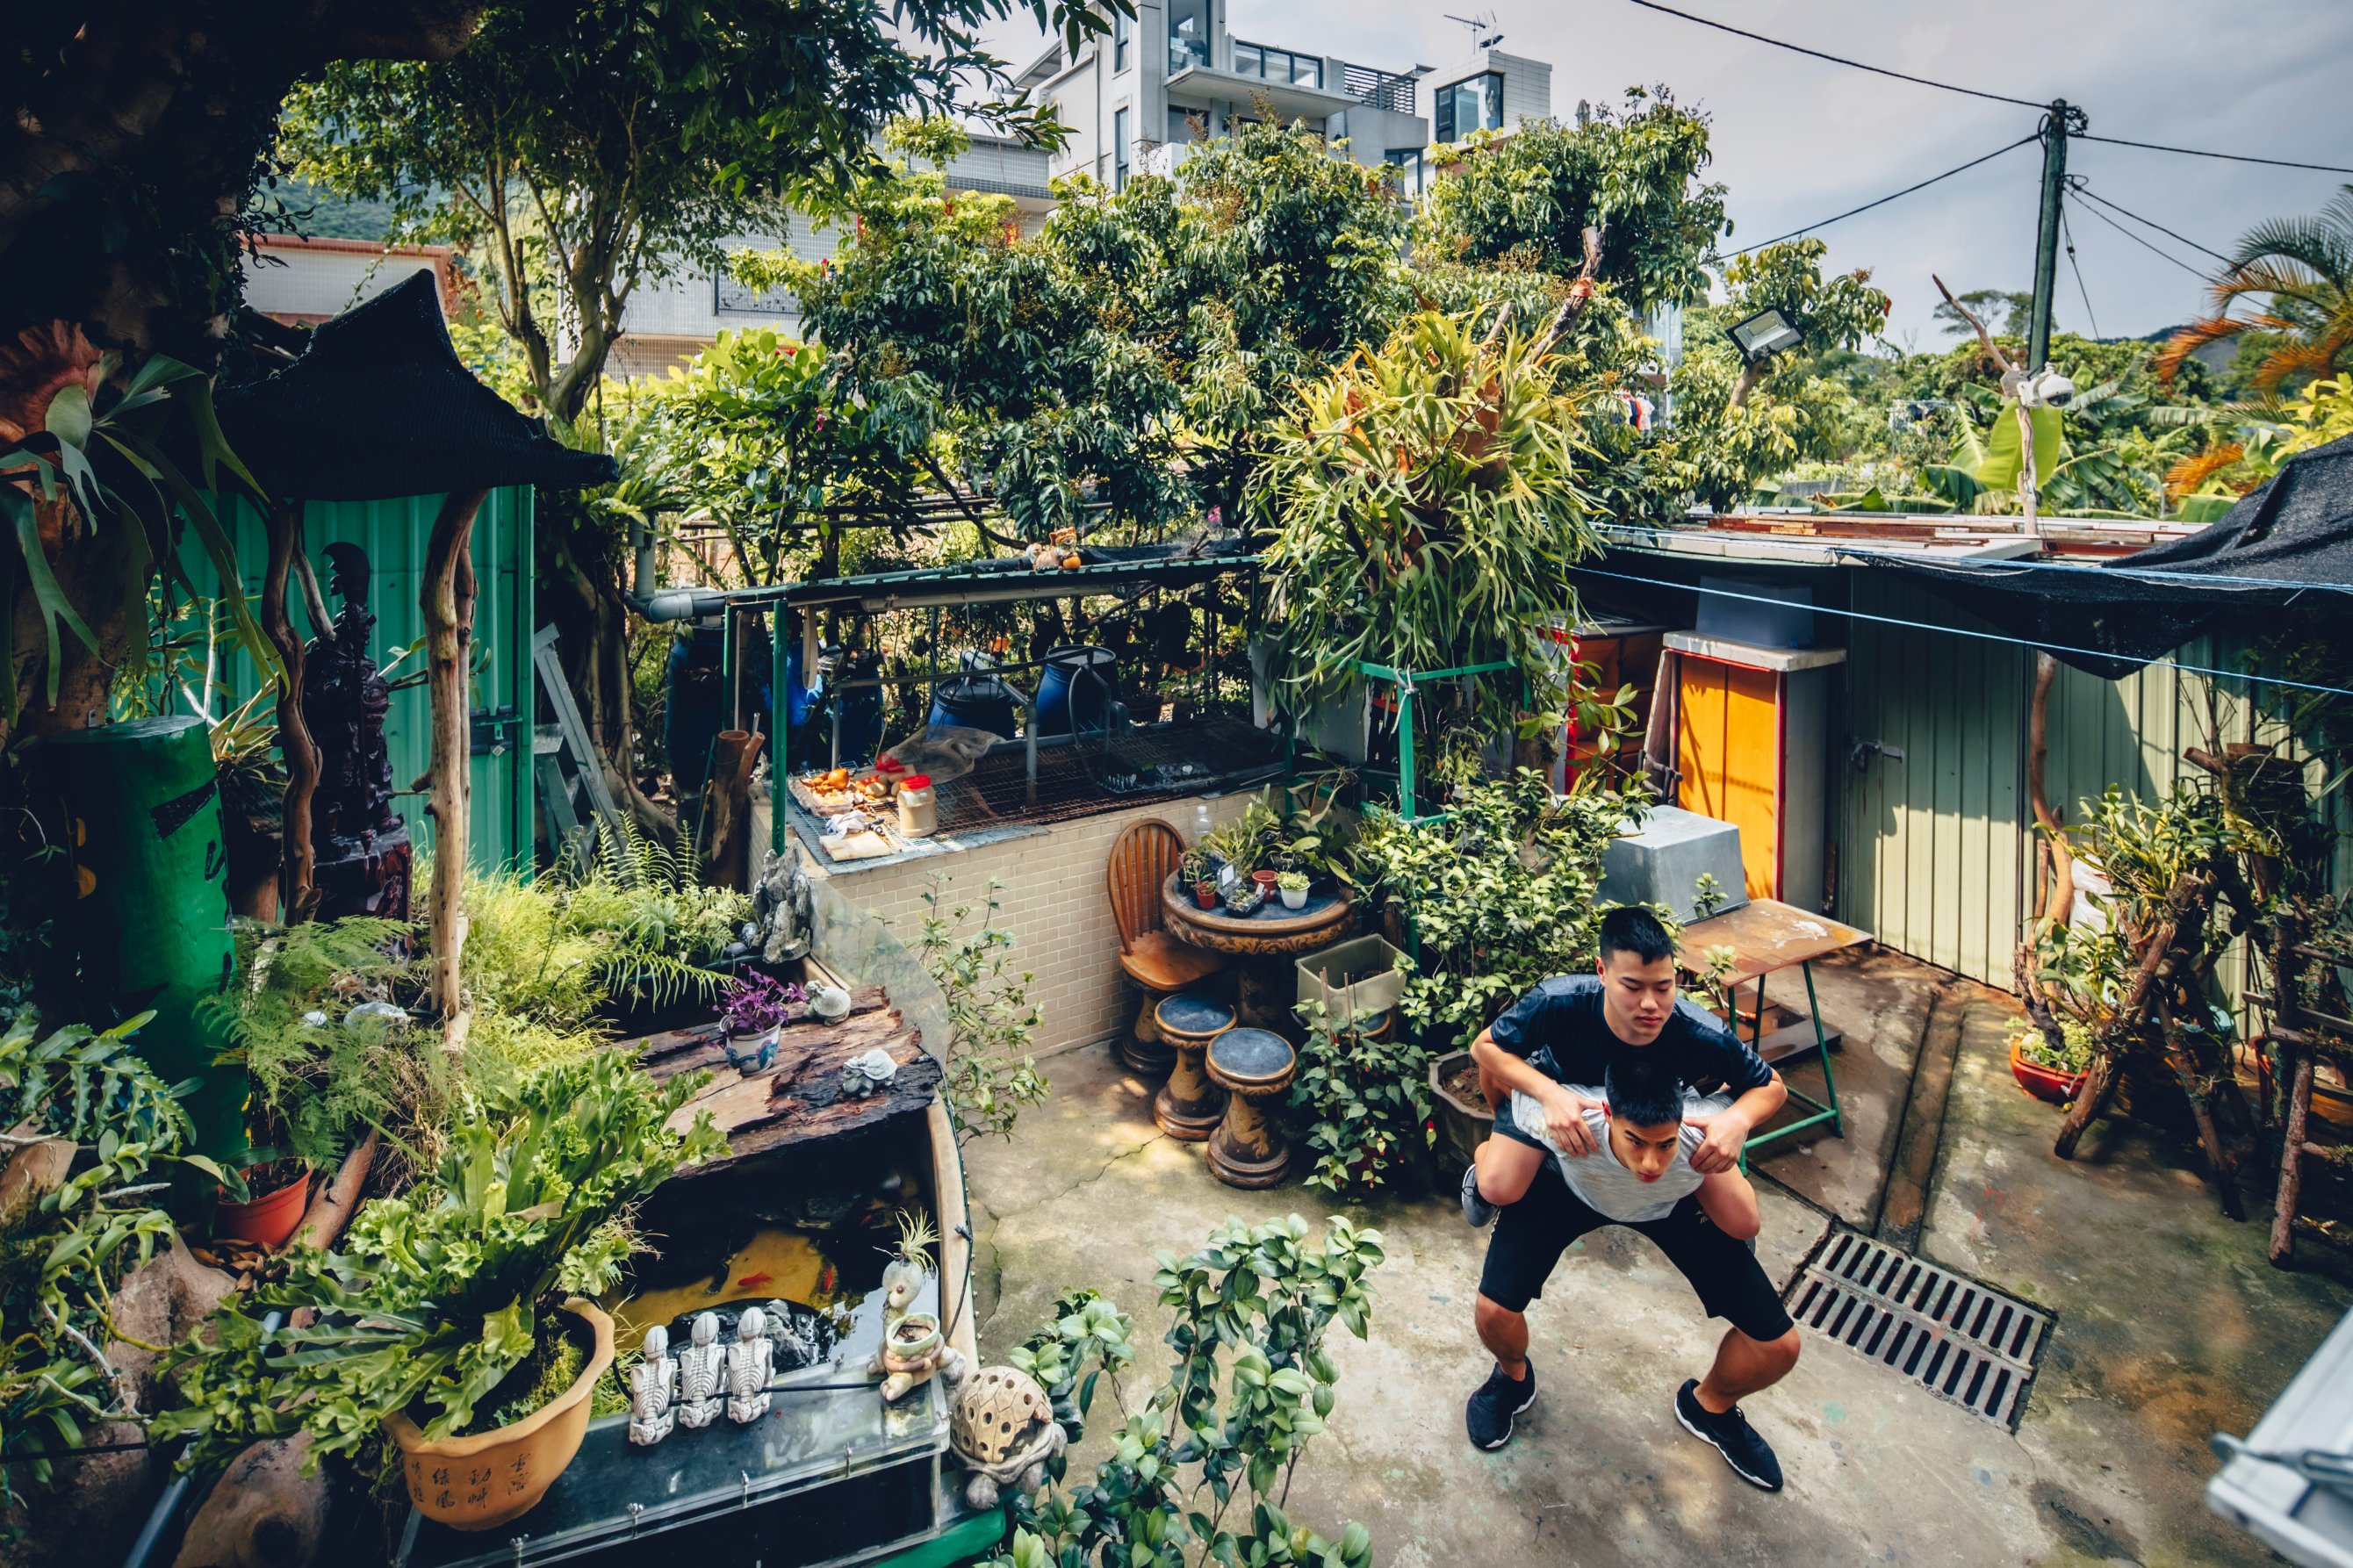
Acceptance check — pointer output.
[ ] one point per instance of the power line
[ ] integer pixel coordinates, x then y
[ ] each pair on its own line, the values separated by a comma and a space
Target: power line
1965, 632
2145, 245
1834, 59
1885, 200
2077, 183
2070, 236
2193, 151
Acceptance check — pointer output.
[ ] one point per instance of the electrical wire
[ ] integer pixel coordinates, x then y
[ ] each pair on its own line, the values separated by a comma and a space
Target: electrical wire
1965, 632
1835, 59
2069, 235
1883, 201
2082, 187
2196, 153
2144, 244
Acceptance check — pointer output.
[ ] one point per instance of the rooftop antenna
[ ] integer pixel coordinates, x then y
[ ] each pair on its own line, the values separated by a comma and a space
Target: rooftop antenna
1483, 29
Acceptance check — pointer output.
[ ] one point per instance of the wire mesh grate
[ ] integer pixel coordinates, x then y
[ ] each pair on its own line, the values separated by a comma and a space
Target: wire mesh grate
1963, 1342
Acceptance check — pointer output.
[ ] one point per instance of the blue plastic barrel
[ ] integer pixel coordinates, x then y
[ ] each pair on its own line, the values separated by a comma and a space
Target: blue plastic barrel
1063, 674
976, 702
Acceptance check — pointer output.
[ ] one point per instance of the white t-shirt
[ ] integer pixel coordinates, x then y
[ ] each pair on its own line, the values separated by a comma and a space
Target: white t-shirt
1602, 1180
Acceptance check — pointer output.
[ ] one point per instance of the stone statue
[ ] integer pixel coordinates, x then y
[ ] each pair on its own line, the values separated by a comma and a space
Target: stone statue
361, 846
702, 1375
748, 1360
653, 1390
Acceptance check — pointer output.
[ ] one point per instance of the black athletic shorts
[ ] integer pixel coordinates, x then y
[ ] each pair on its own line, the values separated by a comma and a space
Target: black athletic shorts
1531, 1235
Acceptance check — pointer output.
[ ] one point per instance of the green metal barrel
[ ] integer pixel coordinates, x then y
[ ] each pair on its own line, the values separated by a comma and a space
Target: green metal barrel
141, 819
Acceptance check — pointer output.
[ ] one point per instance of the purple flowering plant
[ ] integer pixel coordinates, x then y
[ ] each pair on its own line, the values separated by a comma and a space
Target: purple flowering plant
755, 1003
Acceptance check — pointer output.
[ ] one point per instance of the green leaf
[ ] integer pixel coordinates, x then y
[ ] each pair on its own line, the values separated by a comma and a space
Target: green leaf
54, 605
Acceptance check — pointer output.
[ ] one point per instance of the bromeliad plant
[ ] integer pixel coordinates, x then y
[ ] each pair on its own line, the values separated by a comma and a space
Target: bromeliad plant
1201, 1474
441, 1292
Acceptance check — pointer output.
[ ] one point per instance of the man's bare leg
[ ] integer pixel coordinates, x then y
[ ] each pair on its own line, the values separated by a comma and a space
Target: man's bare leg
1505, 1335
1743, 1366
1510, 1388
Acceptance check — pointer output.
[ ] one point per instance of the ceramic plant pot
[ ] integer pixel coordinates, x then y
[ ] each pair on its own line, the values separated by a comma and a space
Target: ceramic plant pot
1265, 881
1205, 894
481, 1482
2042, 1082
749, 1053
925, 1331
1293, 898
268, 1220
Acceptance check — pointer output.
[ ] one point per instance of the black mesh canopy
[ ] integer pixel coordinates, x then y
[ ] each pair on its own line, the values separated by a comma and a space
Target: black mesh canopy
379, 406
2284, 543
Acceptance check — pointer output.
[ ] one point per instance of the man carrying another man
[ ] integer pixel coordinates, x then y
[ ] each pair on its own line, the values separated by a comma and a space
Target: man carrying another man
1599, 1122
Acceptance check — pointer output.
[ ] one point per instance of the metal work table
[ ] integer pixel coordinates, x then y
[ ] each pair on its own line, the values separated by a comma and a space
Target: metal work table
1767, 936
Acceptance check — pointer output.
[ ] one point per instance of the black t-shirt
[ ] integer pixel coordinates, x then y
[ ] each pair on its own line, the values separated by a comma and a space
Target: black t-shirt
1559, 1028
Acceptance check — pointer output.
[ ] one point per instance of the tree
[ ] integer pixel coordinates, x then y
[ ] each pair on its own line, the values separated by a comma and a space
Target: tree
592, 144
2304, 266
1527, 199
2018, 312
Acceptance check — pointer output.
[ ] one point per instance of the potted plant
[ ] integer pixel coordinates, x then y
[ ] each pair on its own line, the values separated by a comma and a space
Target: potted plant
275, 1193
438, 1321
1205, 893
2055, 1076
1293, 885
752, 1011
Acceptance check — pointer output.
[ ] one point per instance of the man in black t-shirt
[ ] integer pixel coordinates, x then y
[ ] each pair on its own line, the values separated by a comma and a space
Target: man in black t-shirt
1566, 1031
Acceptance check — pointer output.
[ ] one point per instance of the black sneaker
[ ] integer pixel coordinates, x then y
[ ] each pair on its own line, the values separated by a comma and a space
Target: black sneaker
1750, 1456
1498, 1400
1475, 1209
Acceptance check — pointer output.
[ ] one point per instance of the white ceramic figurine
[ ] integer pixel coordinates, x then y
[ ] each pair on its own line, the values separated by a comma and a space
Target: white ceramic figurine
702, 1375
748, 1360
653, 1389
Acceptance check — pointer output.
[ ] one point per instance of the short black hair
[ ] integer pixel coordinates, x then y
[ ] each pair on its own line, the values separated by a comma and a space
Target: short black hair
1642, 1089
1629, 928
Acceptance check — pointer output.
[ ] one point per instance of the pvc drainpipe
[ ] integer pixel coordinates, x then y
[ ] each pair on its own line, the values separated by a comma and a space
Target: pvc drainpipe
169, 1503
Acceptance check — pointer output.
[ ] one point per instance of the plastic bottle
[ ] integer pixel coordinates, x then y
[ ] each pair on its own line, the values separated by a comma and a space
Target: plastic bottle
1200, 822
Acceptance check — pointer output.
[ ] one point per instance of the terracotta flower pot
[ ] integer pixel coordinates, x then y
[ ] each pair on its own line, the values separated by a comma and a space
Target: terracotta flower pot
478, 1483
1265, 881
1205, 894
267, 1221
2042, 1082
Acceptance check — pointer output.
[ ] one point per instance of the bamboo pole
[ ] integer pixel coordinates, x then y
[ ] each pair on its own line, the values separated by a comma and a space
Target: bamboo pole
448, 602
299, 898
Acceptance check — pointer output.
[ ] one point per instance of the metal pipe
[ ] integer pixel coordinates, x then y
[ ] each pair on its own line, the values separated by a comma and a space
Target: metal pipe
160, 1518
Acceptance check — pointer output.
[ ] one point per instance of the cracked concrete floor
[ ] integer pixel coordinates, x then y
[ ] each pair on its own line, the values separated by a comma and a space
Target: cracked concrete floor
2165, 1332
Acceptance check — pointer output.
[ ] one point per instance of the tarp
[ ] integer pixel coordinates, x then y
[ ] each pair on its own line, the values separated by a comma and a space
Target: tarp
379, 407
2282, 543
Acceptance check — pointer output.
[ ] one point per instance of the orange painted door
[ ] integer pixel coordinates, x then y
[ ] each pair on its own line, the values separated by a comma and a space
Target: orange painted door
1729, 749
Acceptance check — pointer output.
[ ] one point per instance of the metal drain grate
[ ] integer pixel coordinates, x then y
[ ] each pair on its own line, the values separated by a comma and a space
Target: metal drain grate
1966, 1344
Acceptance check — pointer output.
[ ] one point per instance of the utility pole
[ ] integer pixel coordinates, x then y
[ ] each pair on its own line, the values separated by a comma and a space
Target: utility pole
2057, 126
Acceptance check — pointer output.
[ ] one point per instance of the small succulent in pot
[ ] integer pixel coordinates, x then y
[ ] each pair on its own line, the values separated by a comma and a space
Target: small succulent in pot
753, 1008
1205, 893
1293, 885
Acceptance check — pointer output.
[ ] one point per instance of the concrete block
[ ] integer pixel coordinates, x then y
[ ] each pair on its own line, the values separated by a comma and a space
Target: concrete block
1663, 861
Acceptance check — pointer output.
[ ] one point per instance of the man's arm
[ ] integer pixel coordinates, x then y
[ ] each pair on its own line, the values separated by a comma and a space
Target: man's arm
1563, 1111
1727, 1130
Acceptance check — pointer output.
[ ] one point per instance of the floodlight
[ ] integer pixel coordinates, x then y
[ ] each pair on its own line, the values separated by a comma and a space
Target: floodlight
1764, 334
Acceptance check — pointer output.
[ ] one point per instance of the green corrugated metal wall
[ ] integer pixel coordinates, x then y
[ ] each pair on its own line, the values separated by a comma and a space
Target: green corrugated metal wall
395, 535
1935, 852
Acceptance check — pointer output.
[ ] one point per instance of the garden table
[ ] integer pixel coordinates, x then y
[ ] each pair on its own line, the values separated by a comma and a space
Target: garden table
1267, 941
1767, 935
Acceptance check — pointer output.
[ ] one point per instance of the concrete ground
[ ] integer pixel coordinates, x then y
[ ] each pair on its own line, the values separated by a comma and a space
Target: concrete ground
2170, 1326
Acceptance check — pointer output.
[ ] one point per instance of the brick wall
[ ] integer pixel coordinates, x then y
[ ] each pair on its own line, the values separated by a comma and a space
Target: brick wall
1054, 903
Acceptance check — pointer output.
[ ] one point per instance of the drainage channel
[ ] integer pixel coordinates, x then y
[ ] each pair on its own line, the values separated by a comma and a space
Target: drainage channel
1963, 1343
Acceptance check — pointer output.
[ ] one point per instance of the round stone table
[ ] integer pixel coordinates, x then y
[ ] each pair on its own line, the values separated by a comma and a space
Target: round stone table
1267, 942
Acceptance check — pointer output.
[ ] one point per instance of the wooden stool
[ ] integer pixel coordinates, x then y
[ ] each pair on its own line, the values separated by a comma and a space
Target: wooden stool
1248, 1149
1188, 1105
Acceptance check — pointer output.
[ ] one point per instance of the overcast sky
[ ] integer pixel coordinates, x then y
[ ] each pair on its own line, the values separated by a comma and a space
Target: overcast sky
1799, 140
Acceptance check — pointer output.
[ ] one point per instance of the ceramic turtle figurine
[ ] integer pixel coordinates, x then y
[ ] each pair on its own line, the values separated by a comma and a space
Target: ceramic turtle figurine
1003, 1427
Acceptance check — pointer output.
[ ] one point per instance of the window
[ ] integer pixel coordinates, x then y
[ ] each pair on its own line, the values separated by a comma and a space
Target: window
1407, 163
1476, 104
1118, 42
1119, 150
1186, 126
1189, 36
1278, 64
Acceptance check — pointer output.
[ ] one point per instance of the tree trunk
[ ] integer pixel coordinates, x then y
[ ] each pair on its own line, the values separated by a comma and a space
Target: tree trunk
448, 601
2059, 899
294, 743
592, 625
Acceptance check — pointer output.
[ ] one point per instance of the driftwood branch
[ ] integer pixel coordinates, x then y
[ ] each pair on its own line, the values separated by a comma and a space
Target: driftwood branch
294, 743
448, 602
2185, 910
333, 1205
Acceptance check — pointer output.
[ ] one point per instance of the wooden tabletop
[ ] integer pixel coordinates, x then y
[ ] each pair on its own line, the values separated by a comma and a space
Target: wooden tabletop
797, 1099
1767, 934
1269, 930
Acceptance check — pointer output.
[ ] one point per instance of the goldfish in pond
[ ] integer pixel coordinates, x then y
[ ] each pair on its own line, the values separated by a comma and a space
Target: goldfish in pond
754, 1281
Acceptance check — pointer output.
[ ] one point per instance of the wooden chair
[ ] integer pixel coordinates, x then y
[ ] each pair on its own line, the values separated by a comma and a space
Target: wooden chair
1141, 860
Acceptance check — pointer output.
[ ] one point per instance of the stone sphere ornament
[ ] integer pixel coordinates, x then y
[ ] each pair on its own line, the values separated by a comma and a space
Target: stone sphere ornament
1002, 1426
